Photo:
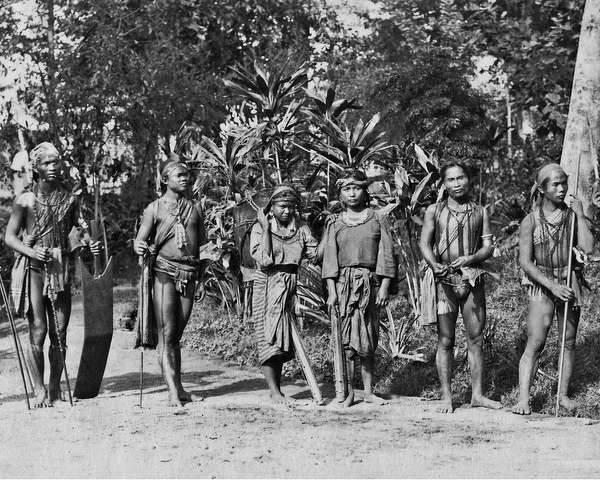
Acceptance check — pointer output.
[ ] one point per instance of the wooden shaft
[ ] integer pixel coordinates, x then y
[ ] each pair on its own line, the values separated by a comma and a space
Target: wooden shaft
304, 361
563, 336
13, 327
339, 362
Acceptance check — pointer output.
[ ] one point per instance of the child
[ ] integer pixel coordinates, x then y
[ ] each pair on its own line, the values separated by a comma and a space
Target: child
278, 242
358, 265
41, 279
169, 238
544, 255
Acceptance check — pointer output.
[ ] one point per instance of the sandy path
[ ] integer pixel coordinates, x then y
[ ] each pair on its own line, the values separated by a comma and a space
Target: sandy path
235, 433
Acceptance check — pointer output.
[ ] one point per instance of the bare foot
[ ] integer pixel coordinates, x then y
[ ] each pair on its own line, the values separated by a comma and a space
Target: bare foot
57, 396
41, 400
567, 403
445, 406
279, 398
174, 400
522, 408
483, 402
349, 400
185, 396
374, 399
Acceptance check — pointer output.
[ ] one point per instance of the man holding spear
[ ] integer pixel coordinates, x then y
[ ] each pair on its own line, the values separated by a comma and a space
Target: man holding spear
544, 257
169, 240
38, 231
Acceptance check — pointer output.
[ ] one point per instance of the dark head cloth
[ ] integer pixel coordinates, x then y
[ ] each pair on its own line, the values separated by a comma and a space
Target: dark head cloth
284, 193
344, 182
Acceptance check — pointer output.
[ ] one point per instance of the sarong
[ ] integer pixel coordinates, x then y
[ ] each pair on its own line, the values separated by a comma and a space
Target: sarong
357, 292
273, 307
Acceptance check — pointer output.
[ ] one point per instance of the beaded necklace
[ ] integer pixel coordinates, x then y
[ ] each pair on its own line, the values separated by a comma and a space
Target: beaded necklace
553, 233
180, 237
51, 203
462, 217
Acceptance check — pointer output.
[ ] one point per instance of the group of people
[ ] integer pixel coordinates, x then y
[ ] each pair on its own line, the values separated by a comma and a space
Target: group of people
356, 254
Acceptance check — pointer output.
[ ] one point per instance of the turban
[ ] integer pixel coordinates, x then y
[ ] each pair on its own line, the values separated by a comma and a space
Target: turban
543, 174
43, 150
171, 166
344, 182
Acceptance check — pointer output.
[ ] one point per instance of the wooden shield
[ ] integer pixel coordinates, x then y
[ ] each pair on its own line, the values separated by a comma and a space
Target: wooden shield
98, 330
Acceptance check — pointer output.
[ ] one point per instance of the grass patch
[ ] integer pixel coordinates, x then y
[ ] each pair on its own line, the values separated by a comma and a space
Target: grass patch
212, 331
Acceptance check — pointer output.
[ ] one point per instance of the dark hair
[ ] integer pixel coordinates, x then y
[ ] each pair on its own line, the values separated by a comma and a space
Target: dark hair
359, 175
448, 164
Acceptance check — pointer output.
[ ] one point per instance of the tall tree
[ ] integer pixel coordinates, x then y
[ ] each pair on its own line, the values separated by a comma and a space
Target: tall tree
580, 149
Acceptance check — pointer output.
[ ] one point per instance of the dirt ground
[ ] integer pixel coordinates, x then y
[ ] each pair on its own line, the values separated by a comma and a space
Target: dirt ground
235, 432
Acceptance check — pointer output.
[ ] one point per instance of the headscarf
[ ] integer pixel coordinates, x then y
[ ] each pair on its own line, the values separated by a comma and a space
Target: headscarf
43, 150
344, 182
543, 174
283, 193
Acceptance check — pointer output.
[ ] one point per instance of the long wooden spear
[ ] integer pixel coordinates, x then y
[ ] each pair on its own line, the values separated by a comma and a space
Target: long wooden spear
15, 333
569, 284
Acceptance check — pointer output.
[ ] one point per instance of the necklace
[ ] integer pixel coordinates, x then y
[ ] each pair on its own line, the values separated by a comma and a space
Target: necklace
553, 237
180, 237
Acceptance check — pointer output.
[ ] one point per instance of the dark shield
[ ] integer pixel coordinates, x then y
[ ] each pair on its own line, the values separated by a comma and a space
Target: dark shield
98, 330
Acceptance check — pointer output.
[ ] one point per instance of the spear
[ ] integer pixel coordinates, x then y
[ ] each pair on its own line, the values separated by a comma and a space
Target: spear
568, 302
61, 345
13, 327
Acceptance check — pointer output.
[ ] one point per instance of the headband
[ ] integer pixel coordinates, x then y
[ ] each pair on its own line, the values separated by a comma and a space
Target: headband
344, 182
543, 174
43, 150
284, 193
172, 165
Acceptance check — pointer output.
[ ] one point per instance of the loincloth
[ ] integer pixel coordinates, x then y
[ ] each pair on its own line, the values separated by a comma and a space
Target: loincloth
57, 272
455, 287
182, 271
559, 275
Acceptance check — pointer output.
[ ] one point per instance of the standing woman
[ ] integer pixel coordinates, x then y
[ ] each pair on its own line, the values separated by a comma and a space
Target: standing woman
278, 242
358, 265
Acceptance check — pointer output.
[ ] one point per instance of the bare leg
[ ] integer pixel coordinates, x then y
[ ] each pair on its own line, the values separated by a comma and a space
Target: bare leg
272, 371
350, 363
474, 317
183, 315
541, 312
62, 305
569, 355
183, 395
443, 358
165, 307
38, 328
367, 370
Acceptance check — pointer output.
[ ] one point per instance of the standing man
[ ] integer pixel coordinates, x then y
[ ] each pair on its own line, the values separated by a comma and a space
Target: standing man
169, 239
38, 231
544, 256
455, 239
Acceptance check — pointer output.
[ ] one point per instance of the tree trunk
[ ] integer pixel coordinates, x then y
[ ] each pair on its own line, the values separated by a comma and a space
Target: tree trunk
580, 146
